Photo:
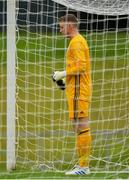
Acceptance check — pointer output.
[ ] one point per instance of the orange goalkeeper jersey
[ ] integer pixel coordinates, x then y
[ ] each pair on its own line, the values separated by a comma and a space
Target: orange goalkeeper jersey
78, 79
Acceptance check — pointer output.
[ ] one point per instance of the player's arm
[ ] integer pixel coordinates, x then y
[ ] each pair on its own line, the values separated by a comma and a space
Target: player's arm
78, 59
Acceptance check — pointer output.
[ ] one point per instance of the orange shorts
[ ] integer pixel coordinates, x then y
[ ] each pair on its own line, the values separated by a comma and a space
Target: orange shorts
78, 109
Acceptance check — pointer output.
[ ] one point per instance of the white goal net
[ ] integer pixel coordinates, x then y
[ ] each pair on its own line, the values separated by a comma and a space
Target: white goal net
104, 7
44, 137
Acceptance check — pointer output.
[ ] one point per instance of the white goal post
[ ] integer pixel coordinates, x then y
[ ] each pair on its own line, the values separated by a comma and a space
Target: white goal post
39, 133
11, 84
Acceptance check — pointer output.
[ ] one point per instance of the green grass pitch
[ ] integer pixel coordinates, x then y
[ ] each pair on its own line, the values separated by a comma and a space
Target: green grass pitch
37, 113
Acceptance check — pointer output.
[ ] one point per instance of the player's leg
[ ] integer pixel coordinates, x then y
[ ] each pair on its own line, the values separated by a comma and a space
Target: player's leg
81, 125
83, 146
81, 128
83, 142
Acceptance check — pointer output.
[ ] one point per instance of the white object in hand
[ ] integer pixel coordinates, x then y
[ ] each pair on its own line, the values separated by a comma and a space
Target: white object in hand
57, 75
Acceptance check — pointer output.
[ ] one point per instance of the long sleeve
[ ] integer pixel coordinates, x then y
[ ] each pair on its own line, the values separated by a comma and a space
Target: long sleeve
77, 55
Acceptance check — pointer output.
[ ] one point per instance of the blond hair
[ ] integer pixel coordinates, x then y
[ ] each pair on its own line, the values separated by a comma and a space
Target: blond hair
69, 18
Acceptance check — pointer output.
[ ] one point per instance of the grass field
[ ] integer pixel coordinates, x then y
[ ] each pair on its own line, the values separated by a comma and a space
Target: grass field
44, 133
53, 175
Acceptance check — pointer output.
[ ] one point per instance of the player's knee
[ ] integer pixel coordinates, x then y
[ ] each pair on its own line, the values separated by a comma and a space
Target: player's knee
83, 123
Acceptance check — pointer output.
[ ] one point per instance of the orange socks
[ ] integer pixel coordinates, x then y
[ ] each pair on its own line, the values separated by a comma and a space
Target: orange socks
84, 147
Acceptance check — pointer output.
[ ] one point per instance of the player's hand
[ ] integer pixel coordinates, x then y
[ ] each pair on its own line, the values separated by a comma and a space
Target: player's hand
58, 75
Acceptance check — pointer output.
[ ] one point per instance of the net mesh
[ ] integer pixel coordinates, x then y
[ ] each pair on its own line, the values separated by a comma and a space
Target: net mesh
44, 138
107, 7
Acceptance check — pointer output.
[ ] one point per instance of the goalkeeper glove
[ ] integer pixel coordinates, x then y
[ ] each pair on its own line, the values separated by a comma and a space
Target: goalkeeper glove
58, 75
61, 84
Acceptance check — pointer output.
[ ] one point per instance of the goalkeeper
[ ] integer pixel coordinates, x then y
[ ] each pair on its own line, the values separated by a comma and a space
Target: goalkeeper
78, 89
